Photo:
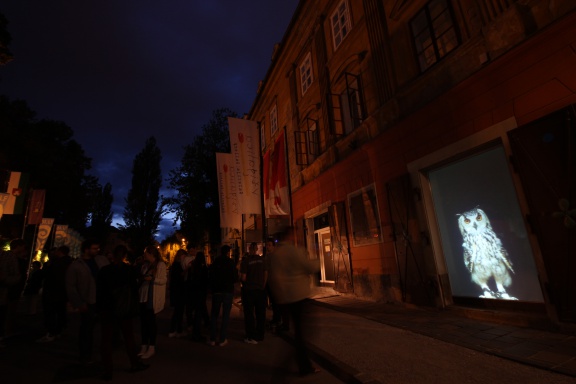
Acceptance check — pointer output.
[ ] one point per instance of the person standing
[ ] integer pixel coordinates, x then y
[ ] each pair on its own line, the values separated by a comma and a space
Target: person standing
9, 276
177, 290
198, 286
54, 297
19, 251
117, 301
152, 298
290, 280
253, 274
81, 290
223, 274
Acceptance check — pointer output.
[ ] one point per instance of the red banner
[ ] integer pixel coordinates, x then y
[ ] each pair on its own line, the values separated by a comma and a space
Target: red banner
36, 207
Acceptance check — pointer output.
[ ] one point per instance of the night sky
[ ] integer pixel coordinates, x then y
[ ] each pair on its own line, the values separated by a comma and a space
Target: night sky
118, 72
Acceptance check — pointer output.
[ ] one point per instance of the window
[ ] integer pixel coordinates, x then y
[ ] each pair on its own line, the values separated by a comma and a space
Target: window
306, 74
364, 216
273, 121
434, 33
348, 106
262, 136
306, 143
340, 24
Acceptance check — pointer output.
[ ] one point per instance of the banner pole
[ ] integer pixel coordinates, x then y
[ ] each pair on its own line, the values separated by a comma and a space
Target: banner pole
26, 213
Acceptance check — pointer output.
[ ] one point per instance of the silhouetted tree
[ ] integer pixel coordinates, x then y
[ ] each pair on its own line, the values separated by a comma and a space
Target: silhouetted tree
5, 39
195, 204
101, 212
144, 207
46, 150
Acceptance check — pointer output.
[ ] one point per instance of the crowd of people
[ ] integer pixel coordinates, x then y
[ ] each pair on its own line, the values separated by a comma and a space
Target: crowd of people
114, 292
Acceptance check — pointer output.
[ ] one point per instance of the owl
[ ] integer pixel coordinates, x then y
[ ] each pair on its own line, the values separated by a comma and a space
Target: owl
484, 255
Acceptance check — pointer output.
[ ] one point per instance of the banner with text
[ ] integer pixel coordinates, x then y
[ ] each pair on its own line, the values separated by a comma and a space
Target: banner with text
60, 235
43, 232
245, 147
278, 201
230, 216
36, 206
17, 185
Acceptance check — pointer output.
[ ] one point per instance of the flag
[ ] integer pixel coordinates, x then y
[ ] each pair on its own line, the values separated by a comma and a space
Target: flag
43, 233
36, 206
60, 235
266, 181
17, 185
245, 147
278, 202
3, 199
230, 216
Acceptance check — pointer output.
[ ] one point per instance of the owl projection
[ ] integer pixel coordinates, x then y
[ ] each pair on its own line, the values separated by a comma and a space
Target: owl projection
484, 255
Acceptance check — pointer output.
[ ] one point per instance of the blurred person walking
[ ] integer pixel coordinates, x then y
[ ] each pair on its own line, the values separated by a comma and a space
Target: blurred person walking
152, 298
290, 281
223, 274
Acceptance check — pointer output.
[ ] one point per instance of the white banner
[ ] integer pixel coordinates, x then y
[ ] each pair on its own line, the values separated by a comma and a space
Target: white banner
61, 235
3, 199
43, 233
245, 147
230, 216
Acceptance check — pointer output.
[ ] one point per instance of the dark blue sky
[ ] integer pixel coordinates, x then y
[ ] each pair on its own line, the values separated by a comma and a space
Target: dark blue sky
118, 72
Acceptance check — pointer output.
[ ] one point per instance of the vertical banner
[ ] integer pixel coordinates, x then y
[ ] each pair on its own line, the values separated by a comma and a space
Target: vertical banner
36, 207
3, 199
245, 147
43, 233
230, 216
266, 181
17, 185
74, 242
61, 235
278, 198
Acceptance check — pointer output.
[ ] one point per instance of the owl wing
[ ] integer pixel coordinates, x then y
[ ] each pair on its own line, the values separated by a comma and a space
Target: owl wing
503, 256
468, 260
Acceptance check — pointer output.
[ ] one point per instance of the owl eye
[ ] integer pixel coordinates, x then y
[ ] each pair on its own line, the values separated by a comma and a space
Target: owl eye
479, 217
467, 221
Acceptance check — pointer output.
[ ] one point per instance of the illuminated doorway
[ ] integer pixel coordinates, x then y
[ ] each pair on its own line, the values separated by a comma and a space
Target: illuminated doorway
323, 239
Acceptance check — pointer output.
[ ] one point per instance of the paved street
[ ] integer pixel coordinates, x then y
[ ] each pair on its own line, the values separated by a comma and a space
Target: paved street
350, 342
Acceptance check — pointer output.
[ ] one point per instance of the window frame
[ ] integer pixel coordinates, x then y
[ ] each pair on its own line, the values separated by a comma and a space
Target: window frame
341, 23
306, 73
348, 112
306, 143
357, 210
429, 39
273, 120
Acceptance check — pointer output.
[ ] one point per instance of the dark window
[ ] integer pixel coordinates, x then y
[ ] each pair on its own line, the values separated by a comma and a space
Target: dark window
348, 107
434, 33
306, 143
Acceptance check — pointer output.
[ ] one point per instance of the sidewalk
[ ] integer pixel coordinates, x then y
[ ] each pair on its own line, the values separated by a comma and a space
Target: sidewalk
555, 352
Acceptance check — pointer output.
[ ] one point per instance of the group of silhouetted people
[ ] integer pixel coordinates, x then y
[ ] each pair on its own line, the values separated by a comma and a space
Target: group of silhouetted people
114, 292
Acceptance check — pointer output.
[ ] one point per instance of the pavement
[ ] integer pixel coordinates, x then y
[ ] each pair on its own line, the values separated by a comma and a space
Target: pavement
550, 350
351, 341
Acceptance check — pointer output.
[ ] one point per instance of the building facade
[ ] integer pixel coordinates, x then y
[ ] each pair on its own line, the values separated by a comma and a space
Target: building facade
430, 149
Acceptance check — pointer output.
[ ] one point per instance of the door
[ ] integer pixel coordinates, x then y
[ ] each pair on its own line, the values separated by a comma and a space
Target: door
324, 242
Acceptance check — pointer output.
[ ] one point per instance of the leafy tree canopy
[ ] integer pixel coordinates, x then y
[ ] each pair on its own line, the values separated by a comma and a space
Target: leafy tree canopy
46, 150
195, 203
144, 208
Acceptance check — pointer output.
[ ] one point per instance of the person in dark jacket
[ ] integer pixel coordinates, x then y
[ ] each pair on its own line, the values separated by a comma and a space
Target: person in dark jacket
223, 274
198, 293
177, 289
54, 297
117, 303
